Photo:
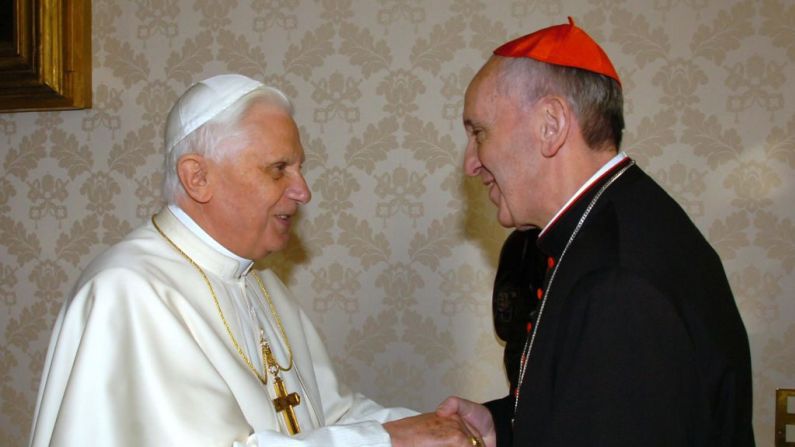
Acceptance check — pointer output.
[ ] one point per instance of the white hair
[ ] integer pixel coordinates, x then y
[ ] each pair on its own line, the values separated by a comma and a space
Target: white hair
215, 138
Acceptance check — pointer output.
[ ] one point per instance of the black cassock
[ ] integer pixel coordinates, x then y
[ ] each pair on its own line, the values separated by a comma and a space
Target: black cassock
639, 342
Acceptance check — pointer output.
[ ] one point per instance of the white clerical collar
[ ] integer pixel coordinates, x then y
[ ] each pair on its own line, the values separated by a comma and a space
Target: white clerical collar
597, 175
199, 232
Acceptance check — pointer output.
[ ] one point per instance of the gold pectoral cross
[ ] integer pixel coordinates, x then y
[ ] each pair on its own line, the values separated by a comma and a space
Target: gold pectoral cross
284, 402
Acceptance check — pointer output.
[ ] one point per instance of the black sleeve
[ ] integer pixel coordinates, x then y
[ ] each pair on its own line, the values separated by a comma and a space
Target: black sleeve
502, 413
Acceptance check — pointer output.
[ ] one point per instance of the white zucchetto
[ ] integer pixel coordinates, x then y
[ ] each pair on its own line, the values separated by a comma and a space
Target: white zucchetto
204, 100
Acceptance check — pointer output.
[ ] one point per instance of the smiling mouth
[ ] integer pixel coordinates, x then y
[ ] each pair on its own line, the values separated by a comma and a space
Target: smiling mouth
284, 217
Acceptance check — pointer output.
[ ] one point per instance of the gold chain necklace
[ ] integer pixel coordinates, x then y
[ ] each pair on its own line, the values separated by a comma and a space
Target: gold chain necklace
269, 363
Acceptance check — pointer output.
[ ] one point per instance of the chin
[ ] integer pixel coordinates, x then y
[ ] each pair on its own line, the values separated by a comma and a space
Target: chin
506, 222
277, 246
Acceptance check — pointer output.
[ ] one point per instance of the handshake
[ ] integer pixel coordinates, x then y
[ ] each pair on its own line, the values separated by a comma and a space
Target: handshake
457, 422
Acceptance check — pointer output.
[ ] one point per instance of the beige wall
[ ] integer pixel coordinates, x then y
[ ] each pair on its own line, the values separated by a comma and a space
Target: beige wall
395, 255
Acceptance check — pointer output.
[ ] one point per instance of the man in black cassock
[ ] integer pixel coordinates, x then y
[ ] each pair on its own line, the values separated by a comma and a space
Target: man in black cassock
636, 338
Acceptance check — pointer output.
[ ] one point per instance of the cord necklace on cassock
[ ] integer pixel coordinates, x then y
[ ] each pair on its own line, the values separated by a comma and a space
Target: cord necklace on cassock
530, 340
284, 401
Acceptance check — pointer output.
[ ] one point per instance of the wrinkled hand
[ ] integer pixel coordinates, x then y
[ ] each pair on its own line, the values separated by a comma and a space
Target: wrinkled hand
475, 415
430, 430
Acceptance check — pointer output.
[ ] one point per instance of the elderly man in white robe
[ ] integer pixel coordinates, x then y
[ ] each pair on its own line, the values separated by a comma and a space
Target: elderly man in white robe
171, 338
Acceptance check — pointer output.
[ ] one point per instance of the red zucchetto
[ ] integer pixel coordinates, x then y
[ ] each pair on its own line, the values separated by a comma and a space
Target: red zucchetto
565, 45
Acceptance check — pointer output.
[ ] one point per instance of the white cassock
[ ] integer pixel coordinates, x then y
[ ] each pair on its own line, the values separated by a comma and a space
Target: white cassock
139, 356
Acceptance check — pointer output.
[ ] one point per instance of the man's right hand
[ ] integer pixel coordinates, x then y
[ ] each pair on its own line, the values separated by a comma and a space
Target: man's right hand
475, 415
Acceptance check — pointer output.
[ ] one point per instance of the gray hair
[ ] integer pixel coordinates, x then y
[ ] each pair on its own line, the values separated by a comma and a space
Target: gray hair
217, 138
597, 100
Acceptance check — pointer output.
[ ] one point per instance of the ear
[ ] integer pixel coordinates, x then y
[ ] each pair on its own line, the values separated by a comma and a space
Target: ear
192, 173
555, 124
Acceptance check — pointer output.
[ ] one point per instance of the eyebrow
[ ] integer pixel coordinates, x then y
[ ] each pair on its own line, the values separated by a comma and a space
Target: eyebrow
474, 123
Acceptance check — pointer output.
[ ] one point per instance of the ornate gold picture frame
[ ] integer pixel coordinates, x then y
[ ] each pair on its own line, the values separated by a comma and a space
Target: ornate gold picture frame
45, 55
785, 416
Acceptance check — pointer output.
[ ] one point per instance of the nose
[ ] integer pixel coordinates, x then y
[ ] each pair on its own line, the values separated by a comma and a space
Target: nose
299, 190
472, 163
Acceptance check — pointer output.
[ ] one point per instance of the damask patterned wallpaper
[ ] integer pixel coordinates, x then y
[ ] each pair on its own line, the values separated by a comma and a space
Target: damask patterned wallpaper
395, 256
